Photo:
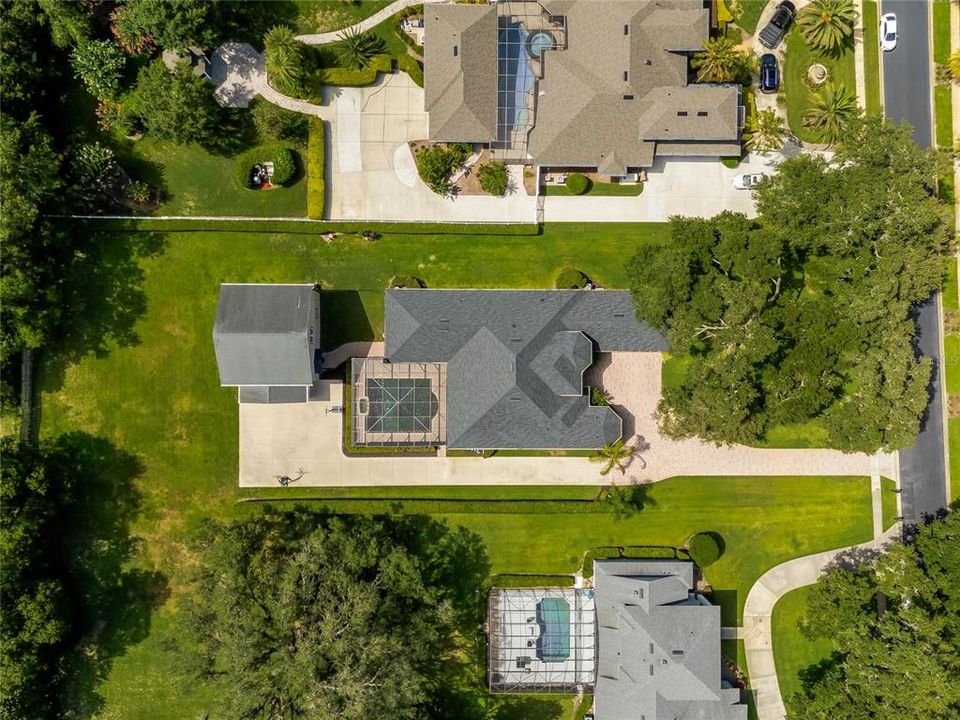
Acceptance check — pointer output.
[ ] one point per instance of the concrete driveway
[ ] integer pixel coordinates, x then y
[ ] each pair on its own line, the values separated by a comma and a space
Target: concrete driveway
371, 173
694, 187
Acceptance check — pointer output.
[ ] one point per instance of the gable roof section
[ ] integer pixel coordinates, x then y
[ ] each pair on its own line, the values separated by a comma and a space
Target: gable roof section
695, 112
658, 645
261, 334
515, 360
460, 72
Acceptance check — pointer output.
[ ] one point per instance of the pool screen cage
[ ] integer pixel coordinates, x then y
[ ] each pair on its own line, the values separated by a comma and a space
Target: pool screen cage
398, 404
526, 32
541, 640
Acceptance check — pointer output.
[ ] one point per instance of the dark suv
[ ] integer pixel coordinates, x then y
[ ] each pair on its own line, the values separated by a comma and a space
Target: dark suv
773, 33
769, 73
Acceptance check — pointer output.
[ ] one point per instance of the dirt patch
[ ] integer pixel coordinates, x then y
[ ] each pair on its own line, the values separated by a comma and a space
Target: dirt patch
469, 184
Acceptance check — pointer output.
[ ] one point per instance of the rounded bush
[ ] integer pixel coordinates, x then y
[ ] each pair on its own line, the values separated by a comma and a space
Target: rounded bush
704, 549
578, 183
571, 279
731, 162
283, 159
406, 281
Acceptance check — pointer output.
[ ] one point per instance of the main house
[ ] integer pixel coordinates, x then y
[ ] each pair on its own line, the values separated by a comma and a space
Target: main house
591, 84
494, 369
642, 640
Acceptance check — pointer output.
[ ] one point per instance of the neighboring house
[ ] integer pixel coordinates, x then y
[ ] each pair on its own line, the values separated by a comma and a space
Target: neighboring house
491, 369
577, 83
266, 338
642, 640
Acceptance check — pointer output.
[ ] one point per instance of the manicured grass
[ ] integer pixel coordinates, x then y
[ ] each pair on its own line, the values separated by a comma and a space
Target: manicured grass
888, 497
799, 58
871, 56
943, 116
951, 301
951, 344
320, 16
943, 107
750, 16
598, 188
953, 433
198, 182
793, 652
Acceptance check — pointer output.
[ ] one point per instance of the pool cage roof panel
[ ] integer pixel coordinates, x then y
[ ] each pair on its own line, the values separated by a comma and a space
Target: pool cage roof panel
398, 403
540, 640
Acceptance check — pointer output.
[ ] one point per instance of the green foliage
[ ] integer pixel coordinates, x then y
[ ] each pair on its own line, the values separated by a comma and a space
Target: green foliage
704, 549
285, 60
804, 314
139, 192
355, 49
599, 397
276, 123
176, 105
339, 616
405, 281
827, 24
282, 157
95, 168
578, 183
493, 178
614, 455
833, 109
730, 162
630, 551
526, 581
350, 77
436, 163
99, 63
953, 64
721, 61
766, 132
22, 41
316, 186
625, 501
569, 278
296, 227
69, 21
914, 638
141, 25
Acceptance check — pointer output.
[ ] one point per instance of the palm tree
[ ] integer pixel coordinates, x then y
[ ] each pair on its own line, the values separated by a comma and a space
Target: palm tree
953, 62
827, 24
284, 59
616, 455
834, 106
766, 132
718, 62
355, 49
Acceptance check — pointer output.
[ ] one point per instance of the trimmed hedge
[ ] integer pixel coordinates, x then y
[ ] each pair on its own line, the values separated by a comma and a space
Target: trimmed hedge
569, 278
283, 159
519, 580
316, 185
730, 162
578, 183
411, 67
405, 281
301, 227
633, 551
494, 178
349, 77
704, 549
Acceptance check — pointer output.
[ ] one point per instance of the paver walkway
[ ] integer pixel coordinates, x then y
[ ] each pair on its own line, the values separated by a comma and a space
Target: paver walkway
338, 356
364, 25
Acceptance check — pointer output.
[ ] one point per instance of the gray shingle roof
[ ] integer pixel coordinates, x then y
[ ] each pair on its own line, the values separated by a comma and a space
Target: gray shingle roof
658, 645
262, 334
515, 360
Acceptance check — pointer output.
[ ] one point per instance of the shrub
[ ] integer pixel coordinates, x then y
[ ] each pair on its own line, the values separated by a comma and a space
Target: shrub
730, 162
282, 157
285, 60
316, 187
406, 281
493, 178
578, 183
704, 548
276, 123
570, 278
138, 192
435, 164
599, 397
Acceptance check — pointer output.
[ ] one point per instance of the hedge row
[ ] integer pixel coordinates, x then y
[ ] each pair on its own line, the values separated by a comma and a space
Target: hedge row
348, 77
411, 67
632, 551
299, 227
518, 580
446, 506
316, 187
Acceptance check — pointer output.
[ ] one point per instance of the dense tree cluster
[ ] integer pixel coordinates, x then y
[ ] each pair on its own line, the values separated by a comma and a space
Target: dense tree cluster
894, 621
804, 313
316, 616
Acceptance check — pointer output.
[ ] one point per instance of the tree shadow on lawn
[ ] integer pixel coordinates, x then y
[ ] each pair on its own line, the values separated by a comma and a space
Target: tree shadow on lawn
344, 319
727, 600
103, 298
112, 601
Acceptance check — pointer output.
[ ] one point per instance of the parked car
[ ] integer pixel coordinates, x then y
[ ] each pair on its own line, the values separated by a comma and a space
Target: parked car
888, 32
773, 33
769, 73
748, 180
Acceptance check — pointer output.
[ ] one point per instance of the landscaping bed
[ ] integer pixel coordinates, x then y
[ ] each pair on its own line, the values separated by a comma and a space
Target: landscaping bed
799, 57
595, 186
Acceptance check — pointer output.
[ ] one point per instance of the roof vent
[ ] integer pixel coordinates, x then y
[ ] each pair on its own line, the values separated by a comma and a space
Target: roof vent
626, 29
678, 652
701, 113
456, 50
681, 113
648, 62
628, 97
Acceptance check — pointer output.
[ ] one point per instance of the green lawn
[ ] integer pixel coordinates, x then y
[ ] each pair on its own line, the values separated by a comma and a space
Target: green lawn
953, 434
320, 16
799, 58
941, 94
750, 16
598, 188
871, 56
792, 652
888, 498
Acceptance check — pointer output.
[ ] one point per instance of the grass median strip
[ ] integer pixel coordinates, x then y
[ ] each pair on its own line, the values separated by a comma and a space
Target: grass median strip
871, 57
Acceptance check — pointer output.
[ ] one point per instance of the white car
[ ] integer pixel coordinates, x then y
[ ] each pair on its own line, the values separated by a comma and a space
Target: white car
888, 32
747, 181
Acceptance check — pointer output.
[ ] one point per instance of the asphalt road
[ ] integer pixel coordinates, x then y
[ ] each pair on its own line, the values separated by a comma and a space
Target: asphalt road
906, 98
906, 70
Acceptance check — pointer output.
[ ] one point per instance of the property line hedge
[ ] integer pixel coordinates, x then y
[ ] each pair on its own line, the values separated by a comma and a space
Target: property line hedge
520, 580
316, 185
349, 77
294, 226
631, 551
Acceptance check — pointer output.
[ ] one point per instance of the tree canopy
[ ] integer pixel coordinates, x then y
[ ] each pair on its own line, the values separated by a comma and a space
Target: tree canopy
176, 105
898, 659
305, 615
804, 313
